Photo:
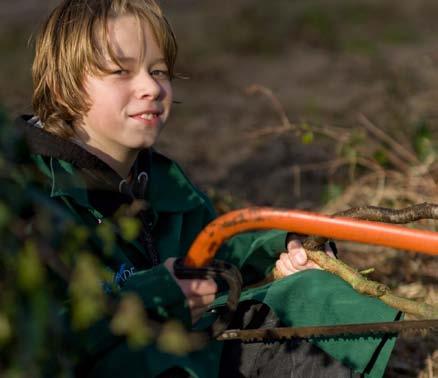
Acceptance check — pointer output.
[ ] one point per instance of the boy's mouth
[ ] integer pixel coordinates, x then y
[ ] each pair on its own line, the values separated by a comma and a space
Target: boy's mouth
146, 116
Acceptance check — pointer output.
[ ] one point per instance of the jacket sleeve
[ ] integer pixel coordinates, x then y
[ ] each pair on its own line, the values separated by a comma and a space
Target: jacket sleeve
161, 296
159, 292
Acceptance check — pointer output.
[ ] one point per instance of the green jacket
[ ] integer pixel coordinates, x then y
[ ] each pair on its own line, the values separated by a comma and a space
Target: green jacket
178, 212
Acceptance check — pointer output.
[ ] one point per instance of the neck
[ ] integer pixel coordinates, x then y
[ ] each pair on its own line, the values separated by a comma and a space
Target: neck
120, 163
120, 160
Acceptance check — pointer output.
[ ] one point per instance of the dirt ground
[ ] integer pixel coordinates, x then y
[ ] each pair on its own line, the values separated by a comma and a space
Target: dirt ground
331, 64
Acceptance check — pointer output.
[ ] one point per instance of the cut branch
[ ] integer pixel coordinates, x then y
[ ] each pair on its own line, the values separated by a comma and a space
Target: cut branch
314, 247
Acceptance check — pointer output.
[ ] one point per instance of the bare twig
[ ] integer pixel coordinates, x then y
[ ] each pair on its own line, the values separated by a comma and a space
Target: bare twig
255, 88
394, 144
335, 133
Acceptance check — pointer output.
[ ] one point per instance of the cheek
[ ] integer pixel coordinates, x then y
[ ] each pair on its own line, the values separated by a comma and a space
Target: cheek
103, 94
167, 99
91, 88
167, 93
94, 101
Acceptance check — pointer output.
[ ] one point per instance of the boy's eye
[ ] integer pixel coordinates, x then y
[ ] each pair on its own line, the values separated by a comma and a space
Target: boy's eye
120, 72
160, 74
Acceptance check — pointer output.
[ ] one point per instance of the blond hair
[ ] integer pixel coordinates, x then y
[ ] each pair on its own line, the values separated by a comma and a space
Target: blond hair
74, 41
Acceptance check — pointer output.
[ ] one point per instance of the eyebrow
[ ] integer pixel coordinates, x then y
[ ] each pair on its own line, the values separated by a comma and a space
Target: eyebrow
128, 59
125, 59
158, 60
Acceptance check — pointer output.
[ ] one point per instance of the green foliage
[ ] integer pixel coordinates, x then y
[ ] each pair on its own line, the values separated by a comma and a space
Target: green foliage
106, 234
307, 137
30, 270
53, 288
129, 227
5, 329
30, 325
381, 157
174, 339
86, 292
130, 321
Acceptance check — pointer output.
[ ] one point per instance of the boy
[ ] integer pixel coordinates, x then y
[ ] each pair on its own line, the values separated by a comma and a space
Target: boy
102, 94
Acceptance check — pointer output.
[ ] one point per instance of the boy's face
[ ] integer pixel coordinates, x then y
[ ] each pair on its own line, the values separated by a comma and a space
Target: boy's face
129, 106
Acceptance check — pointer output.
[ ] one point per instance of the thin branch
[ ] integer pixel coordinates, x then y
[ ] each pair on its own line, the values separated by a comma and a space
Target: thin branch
256, 88
396, 146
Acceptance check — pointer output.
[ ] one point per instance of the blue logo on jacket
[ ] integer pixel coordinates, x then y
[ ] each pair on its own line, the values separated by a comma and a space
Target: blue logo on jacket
123, 274
119, 279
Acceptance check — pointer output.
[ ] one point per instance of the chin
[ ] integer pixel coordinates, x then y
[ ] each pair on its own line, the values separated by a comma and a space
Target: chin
143, 145
140, 142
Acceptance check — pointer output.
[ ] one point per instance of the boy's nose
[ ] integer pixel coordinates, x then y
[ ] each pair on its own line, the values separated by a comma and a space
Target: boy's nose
147, 86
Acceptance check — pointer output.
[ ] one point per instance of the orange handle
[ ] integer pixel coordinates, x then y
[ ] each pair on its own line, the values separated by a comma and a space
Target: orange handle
214, 234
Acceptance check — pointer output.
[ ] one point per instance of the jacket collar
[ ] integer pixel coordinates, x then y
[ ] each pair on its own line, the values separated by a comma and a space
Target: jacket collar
168, 190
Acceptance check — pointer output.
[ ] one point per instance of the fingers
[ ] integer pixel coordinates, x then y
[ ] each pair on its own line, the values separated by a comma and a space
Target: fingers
197, 287
294, 260
282, 269
287, 262
296, 250
192, 287
297, 257
200, 302
199, 293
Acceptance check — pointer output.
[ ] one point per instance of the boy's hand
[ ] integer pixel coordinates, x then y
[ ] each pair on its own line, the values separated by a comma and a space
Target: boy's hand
295, 259
199, 293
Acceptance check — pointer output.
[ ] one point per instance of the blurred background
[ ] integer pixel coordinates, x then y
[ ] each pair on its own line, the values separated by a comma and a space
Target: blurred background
316, 104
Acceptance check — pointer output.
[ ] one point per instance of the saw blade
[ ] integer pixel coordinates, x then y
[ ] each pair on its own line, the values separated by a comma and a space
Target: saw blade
332, 331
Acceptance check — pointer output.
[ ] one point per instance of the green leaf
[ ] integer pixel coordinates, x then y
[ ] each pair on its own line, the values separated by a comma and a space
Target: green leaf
307, 138
130, 228
381, 157
5, 329
105, 232
174, 339
31, 272
80, 234
87, 292
130, 321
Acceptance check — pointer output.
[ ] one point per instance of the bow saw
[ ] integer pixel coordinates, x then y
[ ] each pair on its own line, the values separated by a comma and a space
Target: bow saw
199, 263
